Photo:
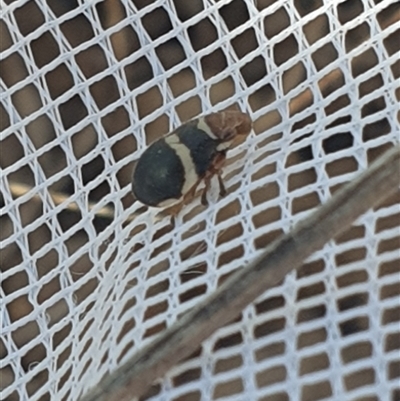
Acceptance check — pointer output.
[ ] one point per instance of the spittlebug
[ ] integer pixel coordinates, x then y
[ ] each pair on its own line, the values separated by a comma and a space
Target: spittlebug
169, 171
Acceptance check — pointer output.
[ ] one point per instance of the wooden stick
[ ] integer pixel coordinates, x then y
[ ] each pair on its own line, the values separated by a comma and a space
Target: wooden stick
287, 253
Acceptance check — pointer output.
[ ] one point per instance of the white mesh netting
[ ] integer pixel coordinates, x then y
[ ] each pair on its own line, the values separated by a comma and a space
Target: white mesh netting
89, 277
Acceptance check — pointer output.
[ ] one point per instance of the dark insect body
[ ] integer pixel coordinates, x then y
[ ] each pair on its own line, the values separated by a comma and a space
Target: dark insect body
169, 171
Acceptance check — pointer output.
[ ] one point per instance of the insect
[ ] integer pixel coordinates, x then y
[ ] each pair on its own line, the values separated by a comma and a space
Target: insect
169, 171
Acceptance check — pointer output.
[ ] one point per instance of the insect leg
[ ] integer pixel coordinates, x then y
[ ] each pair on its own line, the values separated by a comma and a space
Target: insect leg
222, 190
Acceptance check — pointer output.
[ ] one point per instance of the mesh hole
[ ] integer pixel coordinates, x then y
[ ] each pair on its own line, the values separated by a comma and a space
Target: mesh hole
356, 351
192, 293
391, 315
228, 341
191, 396
309, 314
77, 30
317, 391
271, 376
157, 23
358, 379
227, 364
228, 388
269, 327
314, 364
316, 29
270, 351
311, 338
276, 23
310, 268
29, 17
186, 377
59, 80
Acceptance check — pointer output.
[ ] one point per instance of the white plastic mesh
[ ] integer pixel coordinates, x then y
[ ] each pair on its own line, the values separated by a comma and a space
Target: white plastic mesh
89, 277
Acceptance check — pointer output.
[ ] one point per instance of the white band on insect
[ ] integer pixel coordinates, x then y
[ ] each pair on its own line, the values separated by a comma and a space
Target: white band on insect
202, 125
183, 153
